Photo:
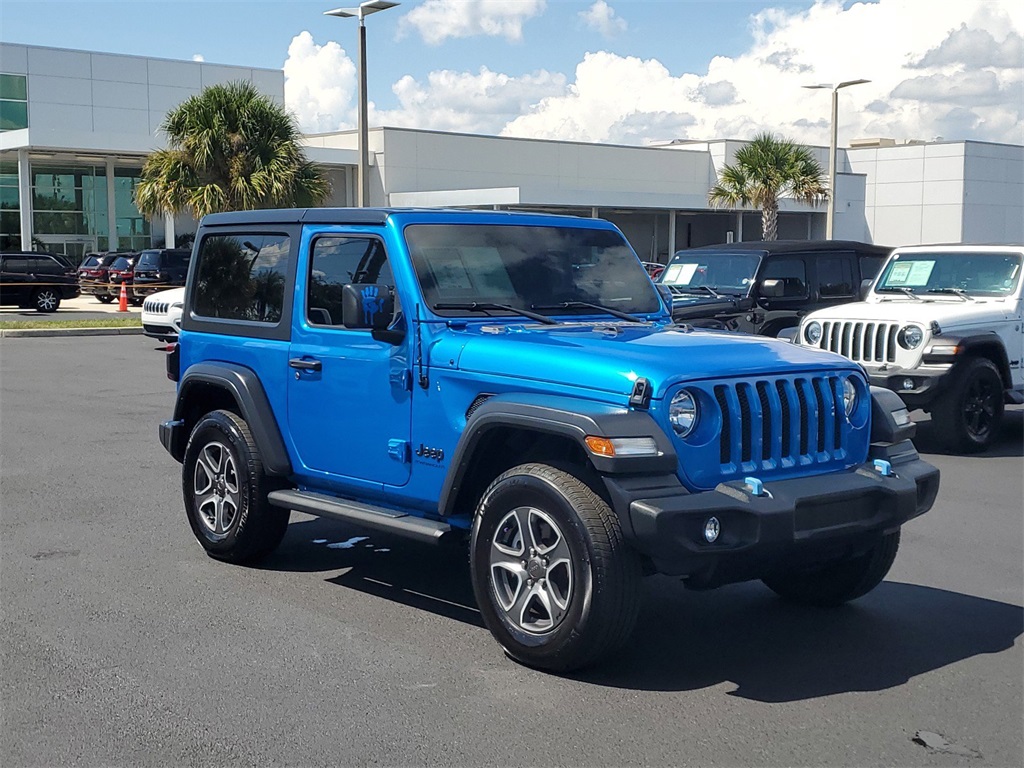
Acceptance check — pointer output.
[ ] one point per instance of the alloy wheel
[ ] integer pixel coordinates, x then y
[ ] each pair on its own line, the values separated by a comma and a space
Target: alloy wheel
215, 485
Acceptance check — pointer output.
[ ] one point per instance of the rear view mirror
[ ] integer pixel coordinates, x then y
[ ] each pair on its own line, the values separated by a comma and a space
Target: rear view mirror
367, 306
865, 288
773, 288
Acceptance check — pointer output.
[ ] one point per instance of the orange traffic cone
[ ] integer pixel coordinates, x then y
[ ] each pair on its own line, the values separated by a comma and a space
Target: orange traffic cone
122, 304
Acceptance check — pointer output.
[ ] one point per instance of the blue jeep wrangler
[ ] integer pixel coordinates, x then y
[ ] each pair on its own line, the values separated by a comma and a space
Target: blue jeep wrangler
517, 380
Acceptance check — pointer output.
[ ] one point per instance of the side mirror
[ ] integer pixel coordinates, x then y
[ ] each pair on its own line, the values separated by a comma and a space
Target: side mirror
367, 306
773, 288
865, 288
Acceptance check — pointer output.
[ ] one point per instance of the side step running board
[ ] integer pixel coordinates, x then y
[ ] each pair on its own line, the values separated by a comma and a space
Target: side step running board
379, 518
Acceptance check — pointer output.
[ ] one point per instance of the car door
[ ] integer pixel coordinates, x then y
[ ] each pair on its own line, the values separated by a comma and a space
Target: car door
834, 280
14, 280
781, 312
349, 398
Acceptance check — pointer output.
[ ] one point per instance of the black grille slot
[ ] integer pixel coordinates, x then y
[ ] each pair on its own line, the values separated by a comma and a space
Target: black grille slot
786, 418
817, 384
801, 398
766, 419
890, 351
838, 410
856, 353
477, 402
726, 436
741, 392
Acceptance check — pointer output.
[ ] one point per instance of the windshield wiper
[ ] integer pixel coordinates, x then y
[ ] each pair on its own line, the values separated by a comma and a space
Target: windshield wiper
697, 288
588, 305
902, 289
953, 291
484, 306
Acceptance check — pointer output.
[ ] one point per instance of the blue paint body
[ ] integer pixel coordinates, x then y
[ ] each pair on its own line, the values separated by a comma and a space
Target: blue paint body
346, 426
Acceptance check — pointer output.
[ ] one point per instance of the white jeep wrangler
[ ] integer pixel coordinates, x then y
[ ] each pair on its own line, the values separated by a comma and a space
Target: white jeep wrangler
943, 327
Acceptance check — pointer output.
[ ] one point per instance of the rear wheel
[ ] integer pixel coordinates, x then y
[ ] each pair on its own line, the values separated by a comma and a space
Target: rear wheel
838, 582
46, 300
104, 299
225, 491
968, 416
555, 581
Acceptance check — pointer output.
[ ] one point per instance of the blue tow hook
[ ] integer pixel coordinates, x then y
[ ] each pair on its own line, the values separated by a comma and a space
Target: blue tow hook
884, 468
755, 486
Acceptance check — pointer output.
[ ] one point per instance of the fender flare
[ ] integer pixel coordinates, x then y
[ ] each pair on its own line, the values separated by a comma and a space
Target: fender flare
565, 417
967, 346
245, 388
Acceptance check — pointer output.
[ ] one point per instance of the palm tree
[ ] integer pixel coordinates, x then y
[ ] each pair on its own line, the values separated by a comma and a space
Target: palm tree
230, 148
764, 170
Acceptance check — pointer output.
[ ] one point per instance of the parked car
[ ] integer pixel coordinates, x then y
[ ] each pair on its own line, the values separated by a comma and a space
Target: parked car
94, 275
766, 287
36, 280
161, 314
515, 381
122, 272
654, 269
943, 327
157, 270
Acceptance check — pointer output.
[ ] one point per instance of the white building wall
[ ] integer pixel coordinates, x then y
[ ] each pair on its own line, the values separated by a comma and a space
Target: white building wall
993, 194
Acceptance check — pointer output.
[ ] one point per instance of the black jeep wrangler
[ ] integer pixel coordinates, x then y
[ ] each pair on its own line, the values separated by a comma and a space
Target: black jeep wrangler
766, 287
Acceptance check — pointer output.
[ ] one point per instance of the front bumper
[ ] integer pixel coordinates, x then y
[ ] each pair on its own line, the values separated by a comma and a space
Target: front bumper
800, 520
927, 383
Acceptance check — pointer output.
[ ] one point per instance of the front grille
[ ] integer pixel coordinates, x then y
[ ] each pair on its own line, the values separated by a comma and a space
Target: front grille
156, 307
861, 341
767, 424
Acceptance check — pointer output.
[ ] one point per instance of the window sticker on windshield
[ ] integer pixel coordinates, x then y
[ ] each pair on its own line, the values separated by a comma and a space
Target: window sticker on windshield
680, 273
913, 274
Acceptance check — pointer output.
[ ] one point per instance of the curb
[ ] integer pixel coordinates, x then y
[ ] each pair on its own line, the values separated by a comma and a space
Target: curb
22, 333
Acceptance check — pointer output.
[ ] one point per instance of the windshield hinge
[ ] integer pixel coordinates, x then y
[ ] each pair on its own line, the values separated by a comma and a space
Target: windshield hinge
641, 396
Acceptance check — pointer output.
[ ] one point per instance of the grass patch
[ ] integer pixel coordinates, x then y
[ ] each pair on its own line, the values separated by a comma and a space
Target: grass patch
112, 322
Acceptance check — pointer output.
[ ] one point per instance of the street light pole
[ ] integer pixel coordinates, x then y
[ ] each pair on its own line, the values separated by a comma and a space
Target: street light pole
830, 210
364, 10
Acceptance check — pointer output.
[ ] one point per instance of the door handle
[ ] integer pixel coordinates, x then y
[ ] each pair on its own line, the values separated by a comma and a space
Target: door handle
305, 365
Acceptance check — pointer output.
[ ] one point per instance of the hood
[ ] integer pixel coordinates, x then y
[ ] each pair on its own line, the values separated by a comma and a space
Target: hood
947, 311
609, 357
170, 296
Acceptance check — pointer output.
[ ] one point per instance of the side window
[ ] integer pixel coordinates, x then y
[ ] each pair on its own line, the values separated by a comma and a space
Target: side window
242, 277
336, 262
16, 264
835, 276
791, 271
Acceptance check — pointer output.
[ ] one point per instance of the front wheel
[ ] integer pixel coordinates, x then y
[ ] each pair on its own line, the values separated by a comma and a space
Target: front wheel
225, 491
967, 417
839, 582
46, 300
104, 298
555, 581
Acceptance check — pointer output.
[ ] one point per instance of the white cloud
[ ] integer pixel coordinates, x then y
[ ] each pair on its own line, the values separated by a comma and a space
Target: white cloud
198, 57
320, 85
602, 18
948, 72
438, 20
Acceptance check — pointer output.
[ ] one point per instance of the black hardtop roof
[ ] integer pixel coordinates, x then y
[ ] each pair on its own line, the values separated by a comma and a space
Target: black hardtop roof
794, 246
345, 215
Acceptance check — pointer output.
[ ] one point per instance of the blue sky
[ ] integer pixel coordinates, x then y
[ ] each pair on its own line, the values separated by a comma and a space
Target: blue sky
627, 71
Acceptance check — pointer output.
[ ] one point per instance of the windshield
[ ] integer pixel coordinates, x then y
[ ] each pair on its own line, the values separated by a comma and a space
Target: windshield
121, 262
987, 274
528, 267
721, 271
90, 261
149, 260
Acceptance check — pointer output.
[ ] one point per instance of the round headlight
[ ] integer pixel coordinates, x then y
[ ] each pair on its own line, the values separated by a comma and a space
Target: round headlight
910, 337
682, 412
812, 332
849, 396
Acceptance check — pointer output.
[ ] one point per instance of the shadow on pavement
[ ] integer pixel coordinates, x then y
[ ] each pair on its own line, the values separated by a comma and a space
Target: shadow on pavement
684, 640
1010, 443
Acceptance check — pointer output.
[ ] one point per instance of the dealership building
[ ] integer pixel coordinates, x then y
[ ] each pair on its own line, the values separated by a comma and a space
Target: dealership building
76, 126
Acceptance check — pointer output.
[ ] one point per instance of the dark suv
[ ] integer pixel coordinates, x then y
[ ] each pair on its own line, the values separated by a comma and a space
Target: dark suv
122, 272
35, 280
158, 270
94, 278
766, 287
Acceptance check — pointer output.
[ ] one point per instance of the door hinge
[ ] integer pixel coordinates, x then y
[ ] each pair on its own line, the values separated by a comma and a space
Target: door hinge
399, 450
401, 379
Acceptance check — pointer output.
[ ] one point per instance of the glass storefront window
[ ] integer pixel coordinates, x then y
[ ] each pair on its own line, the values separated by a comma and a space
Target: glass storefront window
13, 102
10, 215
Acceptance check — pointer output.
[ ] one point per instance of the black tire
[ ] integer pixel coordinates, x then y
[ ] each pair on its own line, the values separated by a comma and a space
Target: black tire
839, 582
582, 561
221, 455
46, 300
104, 299
135, 302
967, 417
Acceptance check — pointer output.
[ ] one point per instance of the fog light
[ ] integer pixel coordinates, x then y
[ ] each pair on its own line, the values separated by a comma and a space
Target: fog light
711, 530
908, 384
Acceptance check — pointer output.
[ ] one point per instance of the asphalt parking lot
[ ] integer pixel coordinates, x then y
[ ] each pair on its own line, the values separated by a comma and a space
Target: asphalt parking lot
123, 644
